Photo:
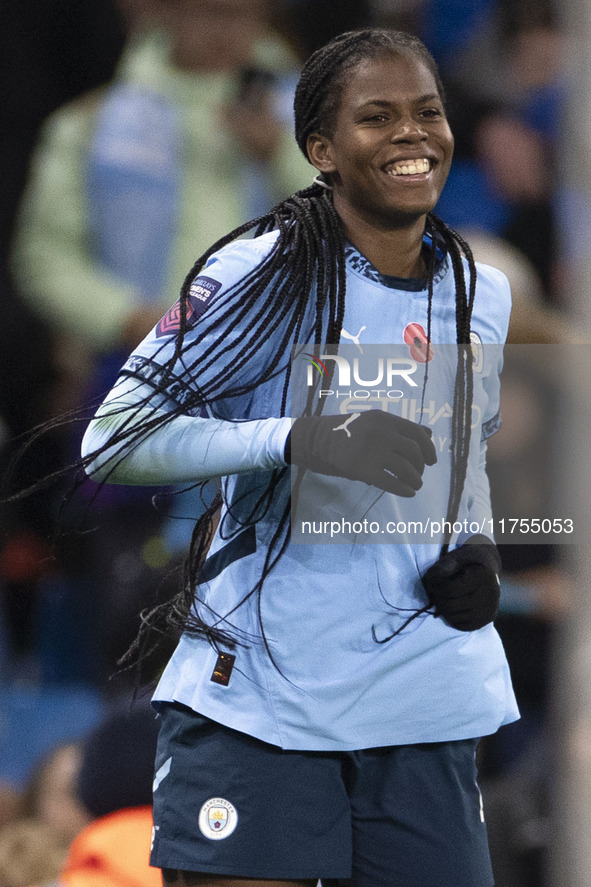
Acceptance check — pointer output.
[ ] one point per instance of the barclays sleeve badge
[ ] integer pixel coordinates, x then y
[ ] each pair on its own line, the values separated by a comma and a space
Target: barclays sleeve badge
202, 290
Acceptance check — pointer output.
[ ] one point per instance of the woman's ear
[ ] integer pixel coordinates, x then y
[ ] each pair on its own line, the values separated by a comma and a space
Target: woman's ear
319, 150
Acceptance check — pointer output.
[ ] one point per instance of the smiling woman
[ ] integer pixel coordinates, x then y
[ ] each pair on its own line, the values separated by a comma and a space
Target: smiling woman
321, 712
387, 157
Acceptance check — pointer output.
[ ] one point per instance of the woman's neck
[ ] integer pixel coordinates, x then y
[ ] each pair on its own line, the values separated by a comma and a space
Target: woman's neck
394, 251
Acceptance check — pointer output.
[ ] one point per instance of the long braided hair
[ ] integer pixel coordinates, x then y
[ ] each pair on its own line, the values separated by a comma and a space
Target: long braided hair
301, 278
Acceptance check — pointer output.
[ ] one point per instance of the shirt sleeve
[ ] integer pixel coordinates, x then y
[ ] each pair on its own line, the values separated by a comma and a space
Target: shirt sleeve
165, 421
177, 448
479, 517
488, 360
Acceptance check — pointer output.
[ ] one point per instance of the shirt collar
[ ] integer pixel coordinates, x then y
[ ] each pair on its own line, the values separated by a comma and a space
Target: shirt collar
359, 264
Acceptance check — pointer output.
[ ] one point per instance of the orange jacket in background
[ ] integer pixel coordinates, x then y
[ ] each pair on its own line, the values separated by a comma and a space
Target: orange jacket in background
113, 851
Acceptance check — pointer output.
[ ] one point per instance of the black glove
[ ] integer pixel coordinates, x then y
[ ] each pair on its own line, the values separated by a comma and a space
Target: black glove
463, 585
375, 447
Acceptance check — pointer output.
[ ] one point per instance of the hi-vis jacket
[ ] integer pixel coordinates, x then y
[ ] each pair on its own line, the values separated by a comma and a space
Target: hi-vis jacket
113, 851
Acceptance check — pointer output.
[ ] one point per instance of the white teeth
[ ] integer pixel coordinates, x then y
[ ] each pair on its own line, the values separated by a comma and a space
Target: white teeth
410, 167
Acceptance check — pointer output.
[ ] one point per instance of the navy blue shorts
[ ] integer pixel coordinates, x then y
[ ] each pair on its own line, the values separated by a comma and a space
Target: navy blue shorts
401, 816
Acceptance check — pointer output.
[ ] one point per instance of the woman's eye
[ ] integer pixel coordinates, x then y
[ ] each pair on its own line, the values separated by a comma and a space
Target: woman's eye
431, 113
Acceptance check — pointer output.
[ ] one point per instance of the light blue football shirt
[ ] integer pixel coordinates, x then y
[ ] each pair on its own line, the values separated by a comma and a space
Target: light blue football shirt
330, 685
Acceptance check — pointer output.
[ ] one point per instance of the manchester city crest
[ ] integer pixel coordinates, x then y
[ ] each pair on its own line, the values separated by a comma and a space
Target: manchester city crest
217, 819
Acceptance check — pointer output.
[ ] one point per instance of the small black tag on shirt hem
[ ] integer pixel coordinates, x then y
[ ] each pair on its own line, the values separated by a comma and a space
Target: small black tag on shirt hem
223, 669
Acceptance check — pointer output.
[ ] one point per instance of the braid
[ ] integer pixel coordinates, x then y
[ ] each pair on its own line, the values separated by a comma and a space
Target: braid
463, 386
307, 257
464, 383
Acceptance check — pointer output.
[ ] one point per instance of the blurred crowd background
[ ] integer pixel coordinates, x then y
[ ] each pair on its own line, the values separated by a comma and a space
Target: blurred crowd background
135, 133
